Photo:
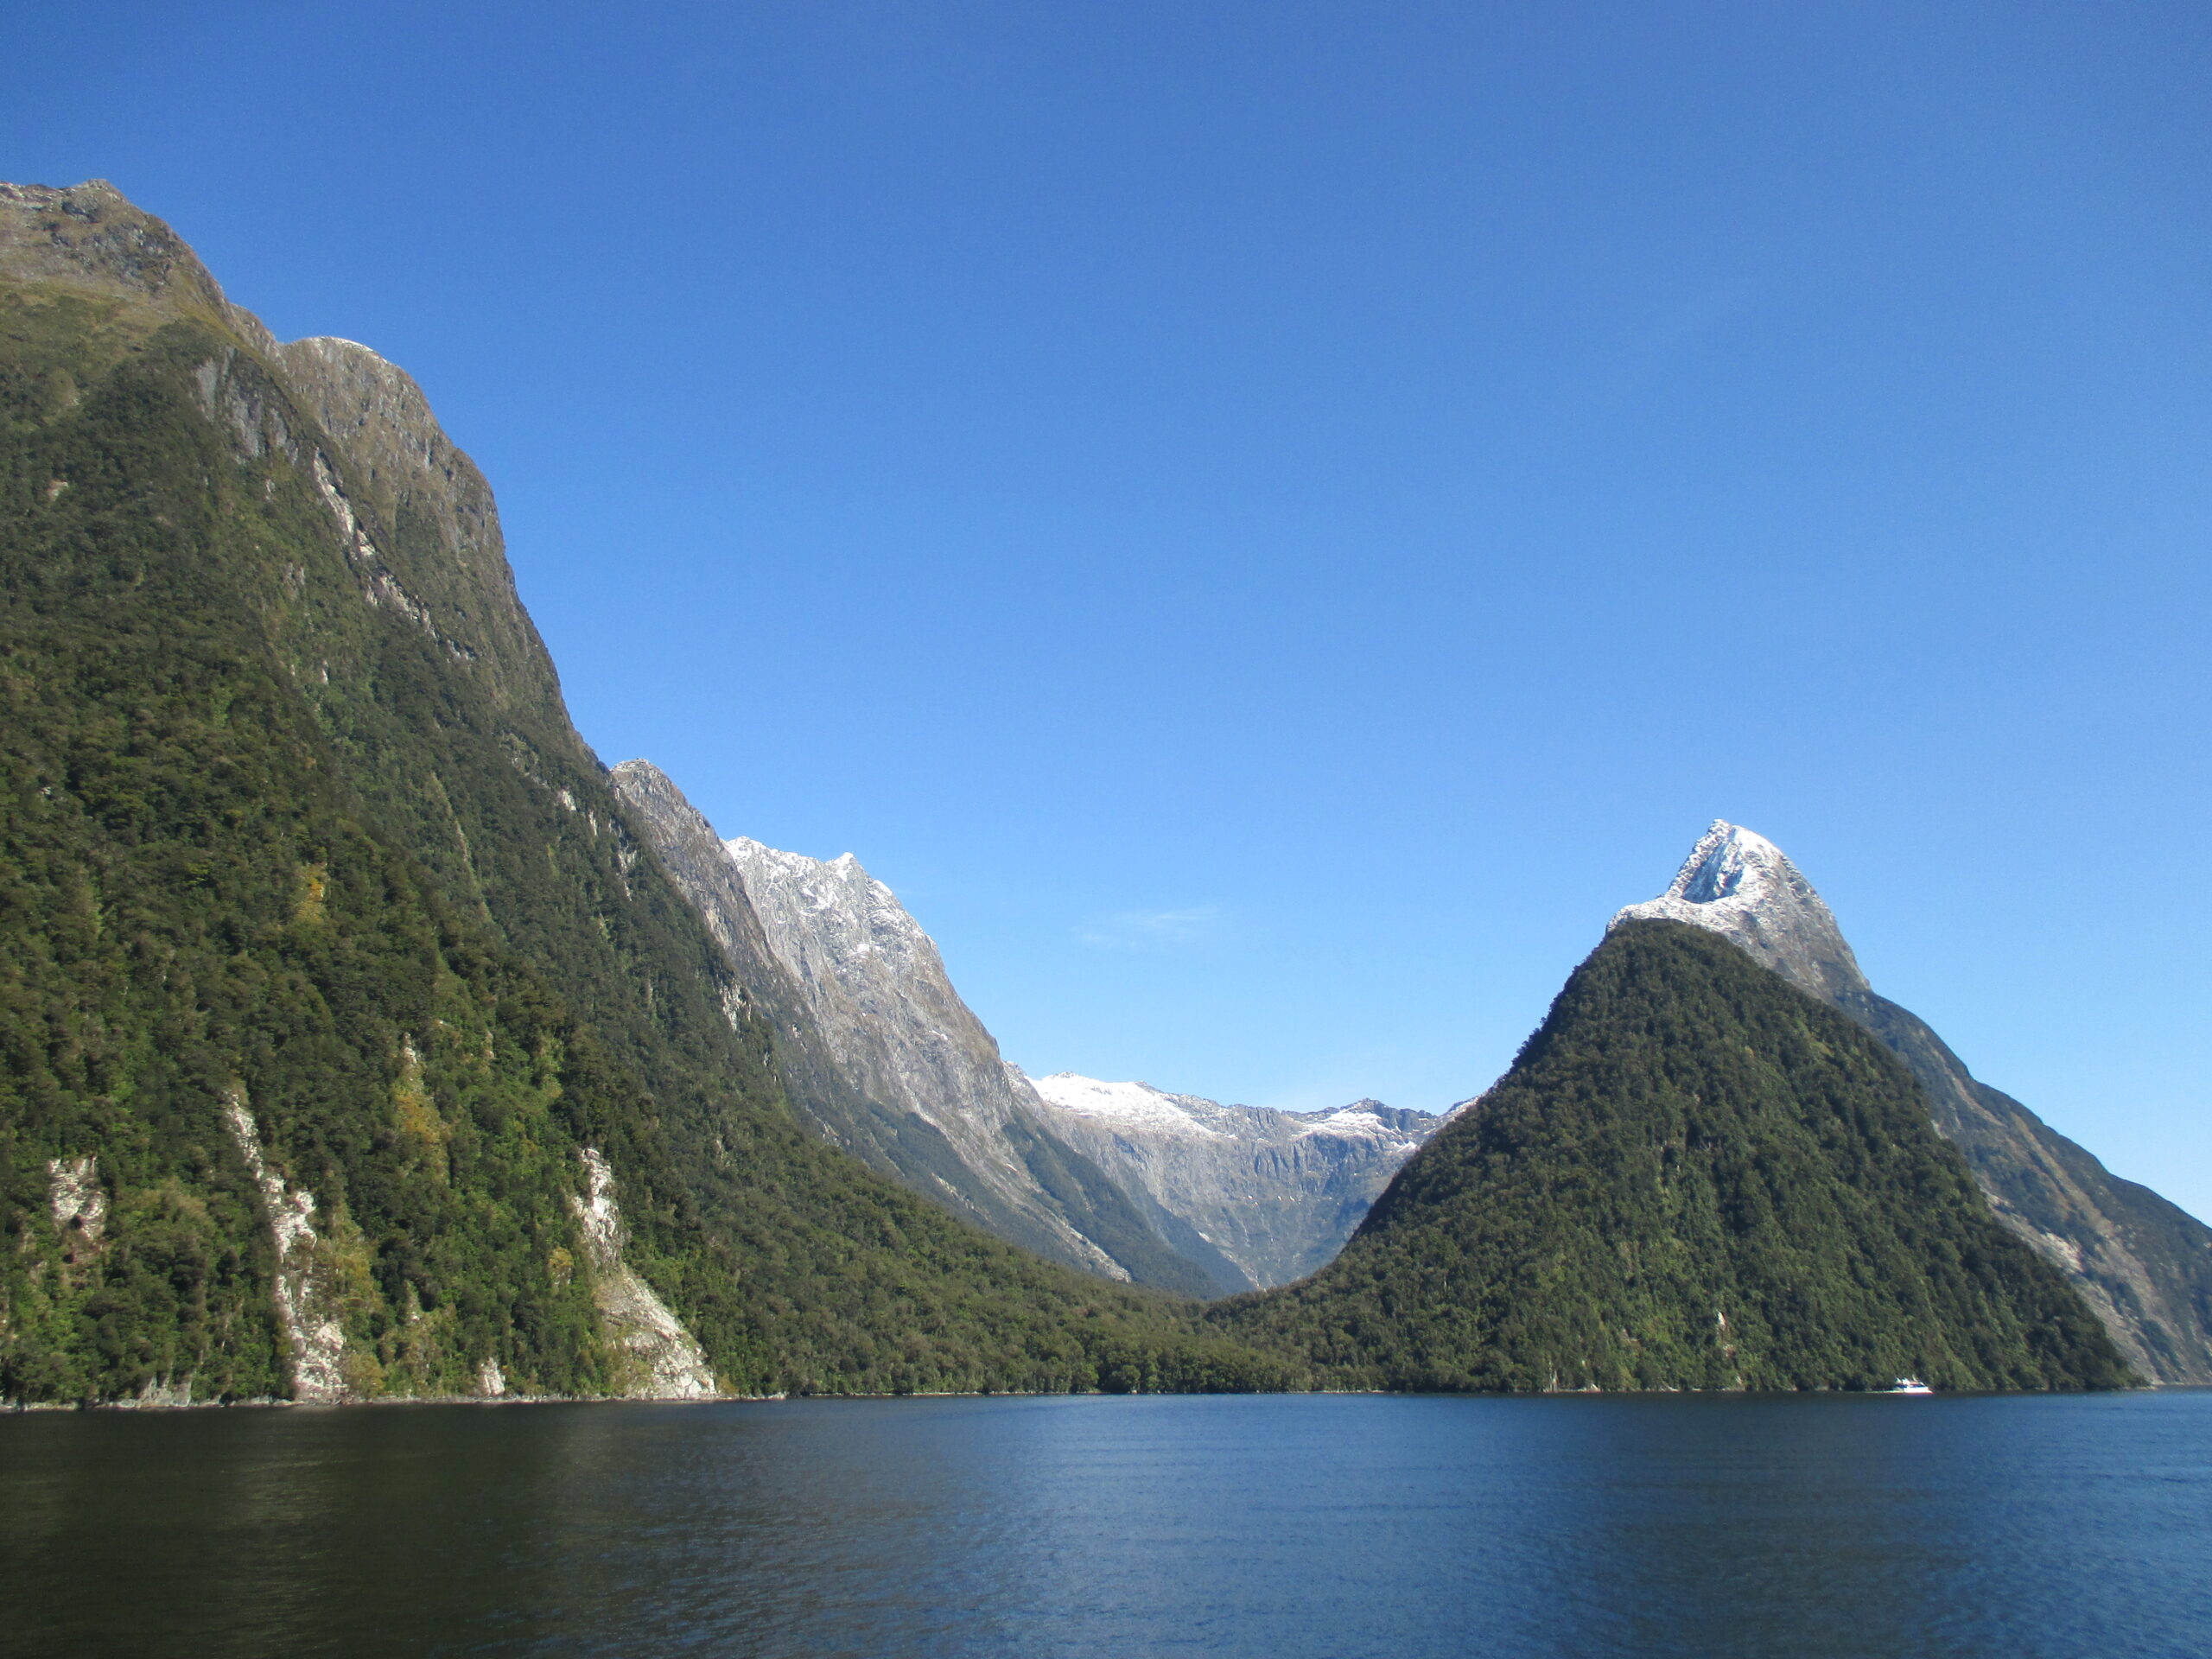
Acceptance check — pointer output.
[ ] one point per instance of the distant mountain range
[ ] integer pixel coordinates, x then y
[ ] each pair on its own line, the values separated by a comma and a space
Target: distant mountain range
1275, 1193
362, 1037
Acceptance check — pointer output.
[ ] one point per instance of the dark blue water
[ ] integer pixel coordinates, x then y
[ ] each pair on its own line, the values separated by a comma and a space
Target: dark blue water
1297, 1527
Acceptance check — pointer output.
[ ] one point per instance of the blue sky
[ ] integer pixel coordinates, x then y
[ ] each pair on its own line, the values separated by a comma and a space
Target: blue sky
1266, 523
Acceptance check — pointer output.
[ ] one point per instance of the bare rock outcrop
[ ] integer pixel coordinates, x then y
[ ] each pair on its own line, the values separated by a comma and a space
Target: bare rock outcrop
660, 1358
878, 1052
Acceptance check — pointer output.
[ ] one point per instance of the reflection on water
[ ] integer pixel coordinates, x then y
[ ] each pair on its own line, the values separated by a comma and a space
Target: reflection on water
1278, 1527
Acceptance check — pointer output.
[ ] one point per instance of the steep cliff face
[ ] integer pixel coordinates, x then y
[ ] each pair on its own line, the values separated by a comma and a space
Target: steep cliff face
706, 875
881, 1054
1276, 1193
443, 540
341, 997
2143, 1264
833, 1062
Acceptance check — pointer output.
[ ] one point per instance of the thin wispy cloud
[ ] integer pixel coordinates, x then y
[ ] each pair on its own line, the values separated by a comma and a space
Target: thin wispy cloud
1153, 929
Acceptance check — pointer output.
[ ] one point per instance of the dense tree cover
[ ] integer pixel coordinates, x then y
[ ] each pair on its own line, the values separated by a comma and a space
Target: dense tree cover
1694, 1176
264, 841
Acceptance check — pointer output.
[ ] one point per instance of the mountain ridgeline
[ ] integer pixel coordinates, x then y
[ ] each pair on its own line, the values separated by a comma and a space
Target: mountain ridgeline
1273, 1193
362, 1037
876, 1048
883, 1057
354, 1044
1694, 1176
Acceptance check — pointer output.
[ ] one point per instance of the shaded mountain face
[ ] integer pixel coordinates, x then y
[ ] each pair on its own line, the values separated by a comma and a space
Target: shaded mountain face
1694, 1175
355, 1044
2144, 1264
1275, 1194
878, 1051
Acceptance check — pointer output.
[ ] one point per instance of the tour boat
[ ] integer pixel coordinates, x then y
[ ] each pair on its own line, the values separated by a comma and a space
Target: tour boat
1910, 1385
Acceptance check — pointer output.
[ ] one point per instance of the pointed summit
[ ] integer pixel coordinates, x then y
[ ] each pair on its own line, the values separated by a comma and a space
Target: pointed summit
1694, 1176
1742, 887
2145, 1266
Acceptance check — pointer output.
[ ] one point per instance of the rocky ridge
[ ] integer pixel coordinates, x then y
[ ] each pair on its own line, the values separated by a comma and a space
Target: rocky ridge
879, 1051
1275, 1192
2144, 1265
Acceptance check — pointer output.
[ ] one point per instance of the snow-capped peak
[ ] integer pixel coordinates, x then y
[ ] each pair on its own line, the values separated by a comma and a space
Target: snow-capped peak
1741, 886
1730, 861
812, 905
1139, 1106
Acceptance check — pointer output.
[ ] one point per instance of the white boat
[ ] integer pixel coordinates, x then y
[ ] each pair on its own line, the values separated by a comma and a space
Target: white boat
1910, 1385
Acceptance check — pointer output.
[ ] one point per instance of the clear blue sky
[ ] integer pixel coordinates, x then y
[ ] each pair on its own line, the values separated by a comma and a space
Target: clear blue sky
1266, 522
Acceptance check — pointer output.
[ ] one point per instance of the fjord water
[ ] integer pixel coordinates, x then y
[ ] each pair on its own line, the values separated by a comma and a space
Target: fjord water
1292, 1527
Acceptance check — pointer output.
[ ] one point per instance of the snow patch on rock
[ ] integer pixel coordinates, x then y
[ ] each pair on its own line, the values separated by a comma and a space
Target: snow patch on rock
1276, 1193
1130, 1105
878, 992
1740, 885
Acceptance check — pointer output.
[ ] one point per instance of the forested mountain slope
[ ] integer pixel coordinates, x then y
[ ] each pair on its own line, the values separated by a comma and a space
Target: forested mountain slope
351, 1043
1694, 1175
2143, 1264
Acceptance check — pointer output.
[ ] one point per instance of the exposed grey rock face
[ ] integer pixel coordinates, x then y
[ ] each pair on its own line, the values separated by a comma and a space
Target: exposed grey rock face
662, 1360
76, 1197
756, 977
878, 1051
1738, 884
1276, 1193
305, 1306
2143, 1264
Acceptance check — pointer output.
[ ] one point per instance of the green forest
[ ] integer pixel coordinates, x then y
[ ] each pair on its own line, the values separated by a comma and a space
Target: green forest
1694, 1176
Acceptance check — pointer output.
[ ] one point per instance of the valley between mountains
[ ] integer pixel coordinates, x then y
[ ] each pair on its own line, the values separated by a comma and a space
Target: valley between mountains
363, 1037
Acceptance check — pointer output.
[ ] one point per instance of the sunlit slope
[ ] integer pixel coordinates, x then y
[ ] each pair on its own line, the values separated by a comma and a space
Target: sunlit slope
877, 1052
309, 891
1694, 1176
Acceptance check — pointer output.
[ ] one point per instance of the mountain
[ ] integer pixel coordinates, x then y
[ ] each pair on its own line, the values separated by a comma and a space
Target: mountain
884, 1058
356, 1044
1276, 1193
2143, 1264
881, 1053
1694, 1175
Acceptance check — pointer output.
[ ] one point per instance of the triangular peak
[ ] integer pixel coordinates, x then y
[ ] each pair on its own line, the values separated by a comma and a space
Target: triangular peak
1738, 884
